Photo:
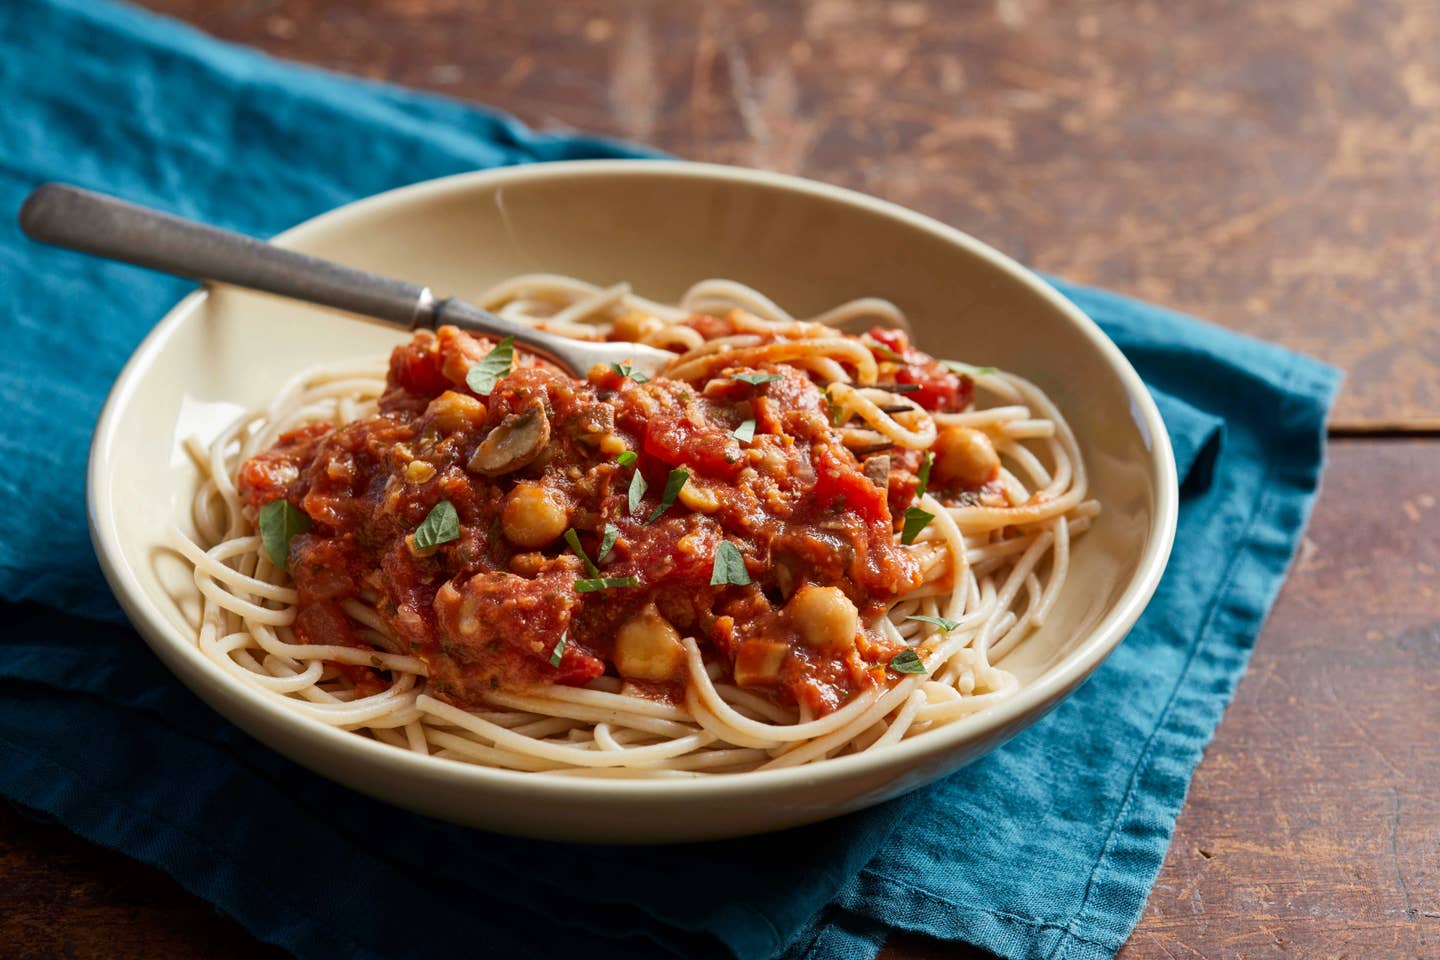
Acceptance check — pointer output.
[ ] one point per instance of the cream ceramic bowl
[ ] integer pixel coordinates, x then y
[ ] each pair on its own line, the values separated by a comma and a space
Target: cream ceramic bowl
661, 226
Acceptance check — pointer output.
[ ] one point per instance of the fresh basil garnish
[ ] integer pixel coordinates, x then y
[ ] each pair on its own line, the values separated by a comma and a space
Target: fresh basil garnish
558, 652
638, 486
945, 625
279, 523
924, 475
755, 379
605, 583
441, 525
915, 521
907, 661
625, 370
729, 566
607, 540
573, 538
627, 457
954, 366
494, 365
673, 483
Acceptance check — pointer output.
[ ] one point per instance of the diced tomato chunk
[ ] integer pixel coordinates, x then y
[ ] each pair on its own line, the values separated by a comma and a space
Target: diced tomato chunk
939, 388
418, 367
842, 486
678, 441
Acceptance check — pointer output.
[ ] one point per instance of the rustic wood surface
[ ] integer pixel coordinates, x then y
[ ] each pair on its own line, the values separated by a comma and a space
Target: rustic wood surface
1272, 167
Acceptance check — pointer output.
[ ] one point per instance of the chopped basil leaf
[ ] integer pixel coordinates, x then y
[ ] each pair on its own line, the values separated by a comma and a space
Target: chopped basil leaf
944, 624
605, 583
886, 352
915, 521
441, 526
954, 366
637, 490
494, 365
907, 661
607, 540
279, 522
625, 370
573, 538
627, 457
755, 379
924, 475
673, 483
745, 432
729, 566
558, 652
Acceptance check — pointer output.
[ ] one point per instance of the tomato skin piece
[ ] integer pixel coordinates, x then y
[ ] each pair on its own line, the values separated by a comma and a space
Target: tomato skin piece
419, 367
677, 442
940, 388
842, 487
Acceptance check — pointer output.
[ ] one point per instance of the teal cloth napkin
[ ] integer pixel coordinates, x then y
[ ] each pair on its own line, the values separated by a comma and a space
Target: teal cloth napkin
1046, 848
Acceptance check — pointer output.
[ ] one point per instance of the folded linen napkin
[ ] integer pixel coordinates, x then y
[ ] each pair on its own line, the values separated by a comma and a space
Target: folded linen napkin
1046, 848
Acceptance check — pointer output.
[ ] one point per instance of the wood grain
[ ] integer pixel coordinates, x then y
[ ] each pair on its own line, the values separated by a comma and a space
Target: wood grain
1271, 167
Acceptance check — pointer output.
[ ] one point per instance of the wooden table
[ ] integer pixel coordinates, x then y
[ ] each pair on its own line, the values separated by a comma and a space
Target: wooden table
1272, 167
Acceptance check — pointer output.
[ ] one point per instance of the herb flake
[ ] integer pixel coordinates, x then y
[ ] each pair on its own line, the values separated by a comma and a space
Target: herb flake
954, 366
885, 352
638, 486
497, 363
745, 432
729, 566
279, 523
907, 661
915, 521
573, 538
441, 525
558, 652
924, 475
945, 625
604, 583
626, 457
607, 540
755, 379
625, 370
673, 483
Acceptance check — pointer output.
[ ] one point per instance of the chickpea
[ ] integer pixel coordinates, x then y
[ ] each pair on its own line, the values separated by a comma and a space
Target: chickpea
825, 618
965, 456
533, 515
453, 412
700, 498
648, 648
419, 471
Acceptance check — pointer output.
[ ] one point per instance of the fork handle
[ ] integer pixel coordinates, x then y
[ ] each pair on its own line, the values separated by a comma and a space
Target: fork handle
105, 226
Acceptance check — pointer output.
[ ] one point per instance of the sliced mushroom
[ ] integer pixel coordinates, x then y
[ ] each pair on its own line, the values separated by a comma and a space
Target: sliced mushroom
877, 470
514, 444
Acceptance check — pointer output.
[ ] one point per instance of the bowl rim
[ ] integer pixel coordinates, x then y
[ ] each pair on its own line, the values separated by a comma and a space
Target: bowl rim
1002, 720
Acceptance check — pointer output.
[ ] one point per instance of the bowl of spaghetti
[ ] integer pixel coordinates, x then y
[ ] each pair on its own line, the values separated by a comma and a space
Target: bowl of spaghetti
893, 499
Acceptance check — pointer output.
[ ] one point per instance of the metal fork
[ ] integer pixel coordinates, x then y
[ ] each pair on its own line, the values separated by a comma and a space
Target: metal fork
105, 226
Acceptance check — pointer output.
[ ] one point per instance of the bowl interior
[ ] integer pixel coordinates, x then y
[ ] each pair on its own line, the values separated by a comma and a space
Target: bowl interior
660, 227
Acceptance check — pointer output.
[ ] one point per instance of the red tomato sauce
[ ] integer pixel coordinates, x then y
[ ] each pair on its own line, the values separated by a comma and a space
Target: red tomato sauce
486, 614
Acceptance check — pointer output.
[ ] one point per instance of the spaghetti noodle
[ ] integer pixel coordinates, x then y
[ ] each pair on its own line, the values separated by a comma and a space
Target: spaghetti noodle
792, 544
